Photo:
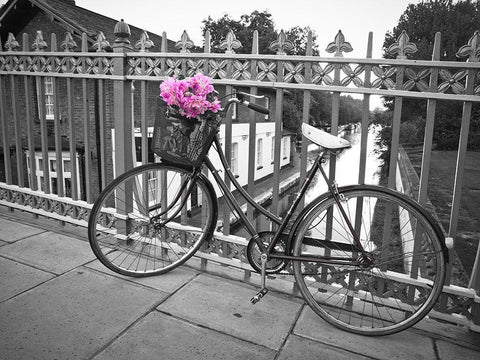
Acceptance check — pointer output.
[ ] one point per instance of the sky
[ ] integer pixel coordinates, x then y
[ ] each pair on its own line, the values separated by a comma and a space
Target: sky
356, 18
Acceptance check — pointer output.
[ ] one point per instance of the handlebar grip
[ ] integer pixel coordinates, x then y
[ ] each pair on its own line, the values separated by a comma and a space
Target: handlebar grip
258, 108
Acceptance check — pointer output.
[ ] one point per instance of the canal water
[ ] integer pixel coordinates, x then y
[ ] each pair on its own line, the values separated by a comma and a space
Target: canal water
346, 173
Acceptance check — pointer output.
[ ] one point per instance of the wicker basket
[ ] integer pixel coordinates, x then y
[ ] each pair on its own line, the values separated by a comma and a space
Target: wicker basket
182, 140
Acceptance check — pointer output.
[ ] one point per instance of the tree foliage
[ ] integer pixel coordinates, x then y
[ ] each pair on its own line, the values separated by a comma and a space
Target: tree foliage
320, 111
457, 21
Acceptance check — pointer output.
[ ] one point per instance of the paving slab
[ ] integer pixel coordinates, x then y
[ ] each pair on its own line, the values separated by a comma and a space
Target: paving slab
389, 347
448, 351
16, 278
72, 316
11, 231
168, 282
300, 348
50, 251
160, 336
451, 333
225, 306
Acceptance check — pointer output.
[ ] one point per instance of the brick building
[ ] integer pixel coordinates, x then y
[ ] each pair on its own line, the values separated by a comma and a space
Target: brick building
58, 25
57, 19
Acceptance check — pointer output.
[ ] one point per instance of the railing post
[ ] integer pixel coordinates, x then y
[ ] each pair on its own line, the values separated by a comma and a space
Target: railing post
122, 101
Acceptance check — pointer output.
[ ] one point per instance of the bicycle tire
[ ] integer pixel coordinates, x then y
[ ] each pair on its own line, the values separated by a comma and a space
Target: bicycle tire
407, 249
122, 229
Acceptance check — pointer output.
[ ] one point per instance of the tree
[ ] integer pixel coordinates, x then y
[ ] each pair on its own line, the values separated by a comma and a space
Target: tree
320, 111
243, 30
264, 24
457, 22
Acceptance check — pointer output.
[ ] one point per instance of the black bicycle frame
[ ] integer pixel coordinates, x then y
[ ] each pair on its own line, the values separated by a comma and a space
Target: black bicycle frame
234, 205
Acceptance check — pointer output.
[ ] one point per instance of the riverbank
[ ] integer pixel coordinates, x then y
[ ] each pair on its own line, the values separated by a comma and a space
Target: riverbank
440, 192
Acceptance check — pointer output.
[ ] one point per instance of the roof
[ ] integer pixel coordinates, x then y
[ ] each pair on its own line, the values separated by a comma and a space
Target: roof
16, 13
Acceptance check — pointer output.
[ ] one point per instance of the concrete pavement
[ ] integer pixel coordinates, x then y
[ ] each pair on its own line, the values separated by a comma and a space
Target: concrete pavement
58, 302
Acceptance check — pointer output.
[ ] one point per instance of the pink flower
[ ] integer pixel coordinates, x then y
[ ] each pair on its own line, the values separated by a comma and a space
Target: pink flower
191, 96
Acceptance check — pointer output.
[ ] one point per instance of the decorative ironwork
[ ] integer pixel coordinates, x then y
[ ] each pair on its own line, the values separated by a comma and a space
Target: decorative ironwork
217, 69
174, 67
352, 75
416, 79
294, 72
282, 45
195, 66
39, 44
101, 43
135, 66
68, 44
320, 75
53, 206
242, 70
122, 33
230, 43
267, 71
472, 49
144, 44
384, 75
185, 43
153, 66
452, 81
339, 45
11, 44
402, 47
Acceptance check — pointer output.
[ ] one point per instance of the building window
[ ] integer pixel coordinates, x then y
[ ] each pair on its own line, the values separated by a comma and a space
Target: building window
234, 161
53, 174
284, 147
49, 105
259, 153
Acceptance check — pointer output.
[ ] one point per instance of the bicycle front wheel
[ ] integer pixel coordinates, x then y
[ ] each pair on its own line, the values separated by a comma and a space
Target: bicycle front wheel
147, 221
404, 274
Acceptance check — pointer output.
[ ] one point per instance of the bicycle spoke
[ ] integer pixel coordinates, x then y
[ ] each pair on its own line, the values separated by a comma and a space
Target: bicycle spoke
398, 285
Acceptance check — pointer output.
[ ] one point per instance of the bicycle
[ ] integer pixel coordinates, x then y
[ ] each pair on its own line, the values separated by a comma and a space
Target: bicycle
366, 259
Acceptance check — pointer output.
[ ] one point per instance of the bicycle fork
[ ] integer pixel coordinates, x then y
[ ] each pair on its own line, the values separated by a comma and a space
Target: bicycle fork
263, 291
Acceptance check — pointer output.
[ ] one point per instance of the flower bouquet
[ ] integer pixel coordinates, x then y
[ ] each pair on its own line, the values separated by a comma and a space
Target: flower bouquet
187, 121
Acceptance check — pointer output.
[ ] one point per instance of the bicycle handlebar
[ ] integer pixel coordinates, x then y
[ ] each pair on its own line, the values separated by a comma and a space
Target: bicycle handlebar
240, 99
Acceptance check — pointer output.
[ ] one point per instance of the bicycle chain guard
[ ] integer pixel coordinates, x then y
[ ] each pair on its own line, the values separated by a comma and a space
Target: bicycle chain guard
254, 252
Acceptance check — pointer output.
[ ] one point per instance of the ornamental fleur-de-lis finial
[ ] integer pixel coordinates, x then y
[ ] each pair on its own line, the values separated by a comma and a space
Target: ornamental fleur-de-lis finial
101, 43
39, 44
230, 43
11, 44
282, 44
185, 43
402, 46
339, 45
144, 43
68, 44
472, 49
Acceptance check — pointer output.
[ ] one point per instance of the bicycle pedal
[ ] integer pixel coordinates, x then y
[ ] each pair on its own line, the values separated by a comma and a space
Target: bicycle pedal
259, 296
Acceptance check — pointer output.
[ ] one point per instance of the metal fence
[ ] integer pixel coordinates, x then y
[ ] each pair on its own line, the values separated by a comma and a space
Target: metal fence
62, 111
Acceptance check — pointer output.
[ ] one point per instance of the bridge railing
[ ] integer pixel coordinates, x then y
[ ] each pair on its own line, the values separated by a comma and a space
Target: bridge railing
72, 118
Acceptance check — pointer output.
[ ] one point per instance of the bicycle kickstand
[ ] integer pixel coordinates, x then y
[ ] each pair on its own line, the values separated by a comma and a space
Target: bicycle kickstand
263, 291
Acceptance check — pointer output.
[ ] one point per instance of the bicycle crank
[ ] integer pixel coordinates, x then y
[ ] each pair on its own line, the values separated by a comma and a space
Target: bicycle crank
263, 291
254, 253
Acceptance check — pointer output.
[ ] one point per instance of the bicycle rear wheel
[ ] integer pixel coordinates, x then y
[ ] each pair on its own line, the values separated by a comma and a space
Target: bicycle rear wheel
145, 223
408, 261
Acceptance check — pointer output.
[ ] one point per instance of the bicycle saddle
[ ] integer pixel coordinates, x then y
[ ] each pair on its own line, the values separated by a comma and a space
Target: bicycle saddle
324, 139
